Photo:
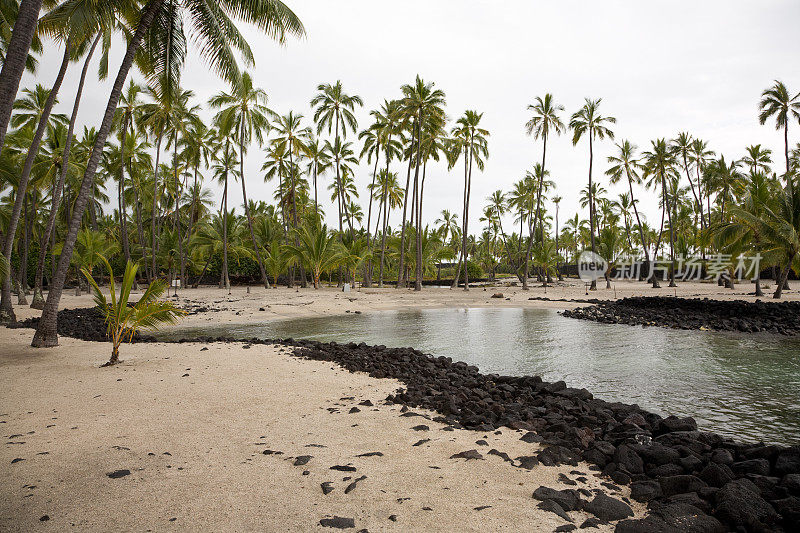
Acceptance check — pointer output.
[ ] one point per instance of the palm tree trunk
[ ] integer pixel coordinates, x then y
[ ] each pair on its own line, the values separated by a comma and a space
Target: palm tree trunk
671, 230
694, 193
38, 298
263, 273
46, 333
386, 208
123, 217
316, 204
638, 220
15, 58
418, 202
784, 279
225, 279
592, 215
403, 227
786, 145
6, 309
368, 266
153, 213
176, 220
23, 262
466, 214
192, 207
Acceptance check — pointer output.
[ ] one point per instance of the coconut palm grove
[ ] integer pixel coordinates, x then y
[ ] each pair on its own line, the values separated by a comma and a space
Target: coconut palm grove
153, 221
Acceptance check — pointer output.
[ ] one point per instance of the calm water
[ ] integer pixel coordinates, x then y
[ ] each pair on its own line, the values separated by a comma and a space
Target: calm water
742, 386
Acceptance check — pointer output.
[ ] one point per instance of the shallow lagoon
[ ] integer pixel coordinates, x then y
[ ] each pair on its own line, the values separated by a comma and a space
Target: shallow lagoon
744, 386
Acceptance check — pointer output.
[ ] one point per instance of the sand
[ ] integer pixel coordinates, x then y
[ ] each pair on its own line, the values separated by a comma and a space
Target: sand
191, 425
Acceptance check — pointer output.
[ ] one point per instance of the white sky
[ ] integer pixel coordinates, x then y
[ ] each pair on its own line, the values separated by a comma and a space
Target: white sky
660, 67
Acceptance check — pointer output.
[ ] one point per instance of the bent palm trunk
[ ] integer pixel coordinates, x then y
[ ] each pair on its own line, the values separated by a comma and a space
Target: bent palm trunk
46, 332
6, 310
38, 298
15, 58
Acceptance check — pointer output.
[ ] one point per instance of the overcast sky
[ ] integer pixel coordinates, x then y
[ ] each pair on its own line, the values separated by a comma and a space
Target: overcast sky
660, 68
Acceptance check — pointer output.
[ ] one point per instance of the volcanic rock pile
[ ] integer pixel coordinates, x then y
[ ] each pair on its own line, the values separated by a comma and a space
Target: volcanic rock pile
695, 313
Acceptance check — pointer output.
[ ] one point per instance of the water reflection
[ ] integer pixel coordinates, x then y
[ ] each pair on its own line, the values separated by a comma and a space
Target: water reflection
744, 386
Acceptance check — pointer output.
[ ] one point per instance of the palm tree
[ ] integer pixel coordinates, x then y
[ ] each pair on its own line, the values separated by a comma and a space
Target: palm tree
245, 108
544, 121
472, 141
545, 257
421, 105
38, 299
276, 260
124, 320
557, 202
334, 110
317, 249
701, 156
682, 148
626, 164
777, 228
588, 121
757, 159
659, 164
224, 168
319, 162
216, 34
129, 113
777, 101
392, 194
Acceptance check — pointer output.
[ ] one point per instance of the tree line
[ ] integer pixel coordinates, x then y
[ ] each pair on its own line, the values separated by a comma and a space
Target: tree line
156, 156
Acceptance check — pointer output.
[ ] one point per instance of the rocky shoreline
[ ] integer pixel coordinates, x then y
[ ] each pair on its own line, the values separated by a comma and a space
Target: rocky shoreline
692, 480
781, 318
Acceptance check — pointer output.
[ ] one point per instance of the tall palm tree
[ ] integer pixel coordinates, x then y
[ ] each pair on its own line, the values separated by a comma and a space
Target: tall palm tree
38, 300
701, 156
545, 120
129, 113
421, 104
777, 101
245, 108
225, 167
588, 121
392, 197
471, 139
682, 148
626, 164
333, 108
659, 164
216, 35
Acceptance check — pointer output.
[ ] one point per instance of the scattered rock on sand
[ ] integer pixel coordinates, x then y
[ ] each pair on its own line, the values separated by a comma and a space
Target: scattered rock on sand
498, 295
352, 485
116, 474
370, 454
338, 522
301, 460
468, 454
327, 487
